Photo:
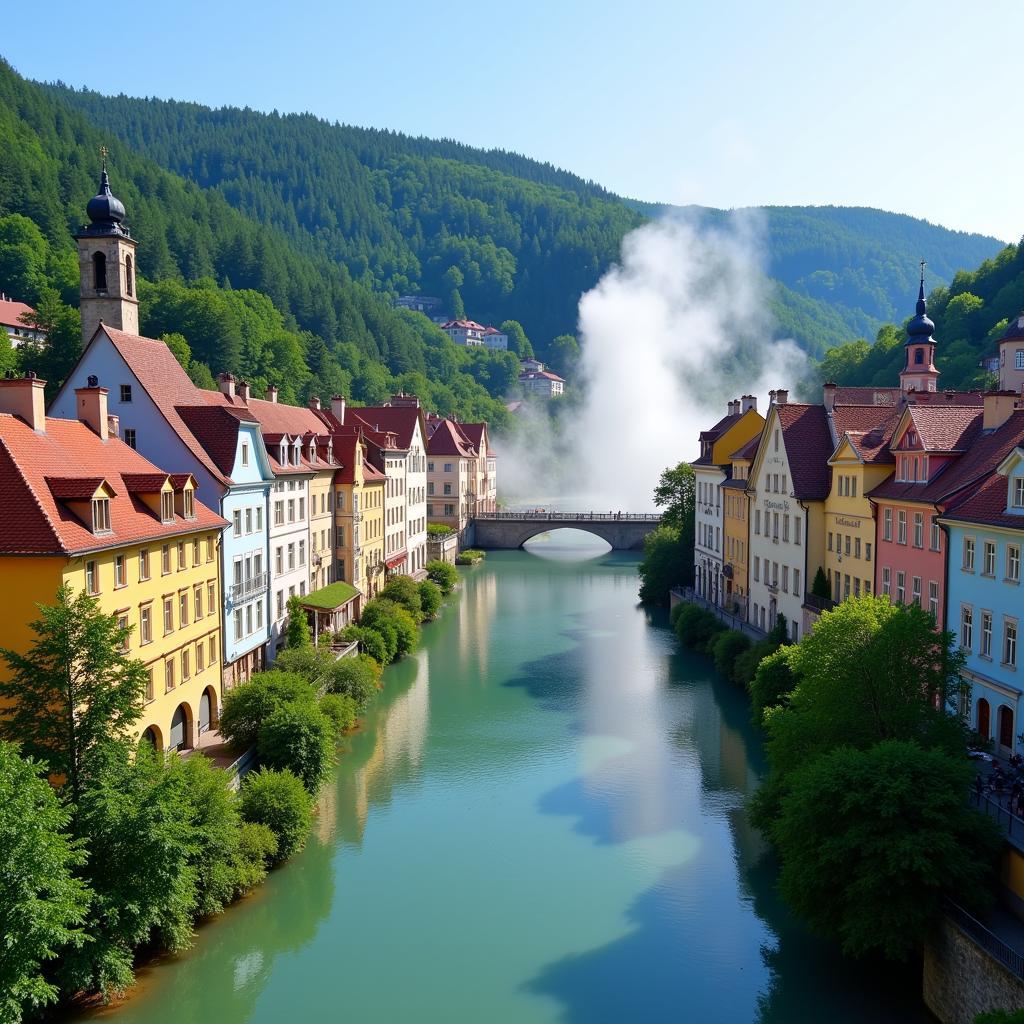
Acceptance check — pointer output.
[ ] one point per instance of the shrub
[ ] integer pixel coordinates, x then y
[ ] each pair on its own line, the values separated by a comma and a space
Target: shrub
392, 620
746, 664
772, 684
297, 631
257, 848
357, 678
725, 648
249, 704
675, 611
430, 598
444, 574
439, 530
469, 557
407, 628
299, 737
404, 591
370, 641
820, 587
339, 710
278, 800
697, 627
668, 560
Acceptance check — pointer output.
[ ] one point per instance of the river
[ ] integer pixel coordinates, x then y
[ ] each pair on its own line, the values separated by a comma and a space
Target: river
542, 820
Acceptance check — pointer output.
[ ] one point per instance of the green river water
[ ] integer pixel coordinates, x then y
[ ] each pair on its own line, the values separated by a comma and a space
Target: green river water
542, 820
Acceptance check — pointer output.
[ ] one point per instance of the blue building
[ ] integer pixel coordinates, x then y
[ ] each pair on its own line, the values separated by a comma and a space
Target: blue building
985, 604
157, 410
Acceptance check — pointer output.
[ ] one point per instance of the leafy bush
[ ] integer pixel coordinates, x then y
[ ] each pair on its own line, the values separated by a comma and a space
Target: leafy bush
357, 678
257, 848
339, 710
392, 621
444, 574
725, 648
772, 684
297, 631
667, 561
746, 664
314, 664
299, 737
820, 587
469, 557
696, 627
404, 591
675, 611
439, 530
430, 598
249, 704
278, 800
1000, 1017
372, 644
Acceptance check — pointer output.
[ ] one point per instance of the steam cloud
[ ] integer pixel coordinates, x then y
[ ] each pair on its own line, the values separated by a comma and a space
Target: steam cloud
680, 326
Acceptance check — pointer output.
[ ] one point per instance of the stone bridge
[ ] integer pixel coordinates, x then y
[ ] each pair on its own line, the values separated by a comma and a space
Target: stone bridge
625, 531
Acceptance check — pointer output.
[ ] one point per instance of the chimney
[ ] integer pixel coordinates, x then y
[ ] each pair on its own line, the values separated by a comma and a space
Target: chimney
828, 396
338, 408
781, 396
999, 406
91, 407
23, 397
272, 393
314, 403
404, 401
113, 425
771, 397
226, 383
244, 391
749, 402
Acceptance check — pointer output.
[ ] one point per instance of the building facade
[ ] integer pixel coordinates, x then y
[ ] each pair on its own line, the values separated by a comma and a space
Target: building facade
736, 527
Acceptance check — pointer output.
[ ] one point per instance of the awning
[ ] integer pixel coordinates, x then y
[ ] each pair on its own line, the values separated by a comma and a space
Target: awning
396, 560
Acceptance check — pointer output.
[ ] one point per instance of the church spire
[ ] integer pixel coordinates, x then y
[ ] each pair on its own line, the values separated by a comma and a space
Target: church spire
919, 372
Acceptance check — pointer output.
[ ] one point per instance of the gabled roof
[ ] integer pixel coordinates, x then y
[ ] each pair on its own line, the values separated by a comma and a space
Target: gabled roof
712, 434
748, 451
11, 312
943, 428
987, 505
808, 442
471, 325
399, 420
447, 439
981, 458
216, 429
868, 428
540, 375
477, 434
41, 472
867, 396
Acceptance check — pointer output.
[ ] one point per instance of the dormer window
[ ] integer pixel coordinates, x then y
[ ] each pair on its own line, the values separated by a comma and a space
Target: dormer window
245, 453
101, 515
167, 506
1018, 492
283, 455
189, 500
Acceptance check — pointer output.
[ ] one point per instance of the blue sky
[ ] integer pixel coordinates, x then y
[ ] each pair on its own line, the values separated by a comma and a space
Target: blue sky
905, 105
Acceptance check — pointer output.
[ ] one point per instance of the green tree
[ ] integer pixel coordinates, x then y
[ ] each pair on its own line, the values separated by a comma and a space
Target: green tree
249, 705
73, 689
404, 591
820, 587
518, 342
430, 598
666, 563
773, 682
278, 800
676, 494
297, 631
444, 574
340, 710
726, 648
872, 841
42, 903
299, 737
372, 643
564, 354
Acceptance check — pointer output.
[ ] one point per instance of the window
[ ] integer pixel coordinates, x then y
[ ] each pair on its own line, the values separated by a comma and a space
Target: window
302, 552
259, 517
248, 520
867, 551
129, 276
99, 271
846, 544
933, 598
101, 515
901, 527
167, 506
846, 586
887, 524
757, 521
213, 650
200, 657
168, 675
245, 453
856, 548
447, 488
918, 529
183, 609
785, 528
1010, 643
211, 596
935, 533
901, 587
126, 393
209, 549
129, 437
291, 556
149, 685
237, 522
968, 554
853, 487
785, 578
986, 635
238, 623
797, 529
916, 592
279, 561
186, 667
757, 569
195, 552
447, 467
197, 602
259, 614
449, 510
120, 577
145, 624
830, 540
988, 558
279, 513
168, 616
280, 604
1013, 563
92, 579
302, 508
291, 510
966, 627
796, 582
886, 580
181, 555
1018, 359
1018, 492
189, 504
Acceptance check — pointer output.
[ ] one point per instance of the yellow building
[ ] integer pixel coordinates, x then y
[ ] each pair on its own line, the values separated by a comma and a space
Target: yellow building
82, 508
736, 525
359, 515
860, 462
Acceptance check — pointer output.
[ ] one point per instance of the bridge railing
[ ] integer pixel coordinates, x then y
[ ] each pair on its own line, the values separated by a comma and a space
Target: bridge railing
578, 517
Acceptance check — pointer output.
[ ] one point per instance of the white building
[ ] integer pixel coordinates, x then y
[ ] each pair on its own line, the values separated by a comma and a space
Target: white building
789, 482
11, 313
495, 340
541, 382
466, 332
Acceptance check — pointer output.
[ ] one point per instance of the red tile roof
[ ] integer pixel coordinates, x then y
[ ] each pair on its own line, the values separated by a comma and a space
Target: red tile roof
749, 450
988, 505
399, 420
869, 428
867, 396
808, 442
447, 439
148, 483
540, 375
946, 429
712, 434
11, 312
216, 430
35, 484
462, 324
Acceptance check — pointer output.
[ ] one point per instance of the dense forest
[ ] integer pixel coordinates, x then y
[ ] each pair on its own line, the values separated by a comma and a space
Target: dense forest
272, 246
499, 234
970, 315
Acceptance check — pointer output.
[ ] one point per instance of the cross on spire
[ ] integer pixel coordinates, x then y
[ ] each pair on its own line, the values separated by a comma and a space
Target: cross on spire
923, 265
103, 156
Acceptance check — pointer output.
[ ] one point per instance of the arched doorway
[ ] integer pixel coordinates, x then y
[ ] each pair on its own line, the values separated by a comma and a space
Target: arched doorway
984, 726
181, 728
208, 718
152, 737
1005, 728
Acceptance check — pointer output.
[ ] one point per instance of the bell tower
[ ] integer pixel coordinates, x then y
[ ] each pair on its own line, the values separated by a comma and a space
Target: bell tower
919, 372
106, 264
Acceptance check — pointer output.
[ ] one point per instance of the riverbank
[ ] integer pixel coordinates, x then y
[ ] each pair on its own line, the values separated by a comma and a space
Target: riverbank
541, 820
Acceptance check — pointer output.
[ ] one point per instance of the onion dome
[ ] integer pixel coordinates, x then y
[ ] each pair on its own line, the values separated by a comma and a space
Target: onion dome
104, 207
921, 327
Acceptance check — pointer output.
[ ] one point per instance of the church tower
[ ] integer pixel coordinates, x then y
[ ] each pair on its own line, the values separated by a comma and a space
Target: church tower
919, 373
106, 265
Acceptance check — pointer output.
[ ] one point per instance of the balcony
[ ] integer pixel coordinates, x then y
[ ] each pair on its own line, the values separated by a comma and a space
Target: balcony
249, 589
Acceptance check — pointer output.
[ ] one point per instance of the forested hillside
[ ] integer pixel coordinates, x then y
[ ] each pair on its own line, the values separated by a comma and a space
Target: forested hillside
970, 316
502, 235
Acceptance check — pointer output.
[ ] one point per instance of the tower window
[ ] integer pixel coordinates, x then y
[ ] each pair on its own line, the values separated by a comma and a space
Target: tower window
129, 276
99, 272
918, 355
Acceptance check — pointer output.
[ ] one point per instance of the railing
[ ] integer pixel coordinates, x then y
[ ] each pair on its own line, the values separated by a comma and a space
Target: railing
987, 940
821, 604
588, 517
1004, 817
249, 589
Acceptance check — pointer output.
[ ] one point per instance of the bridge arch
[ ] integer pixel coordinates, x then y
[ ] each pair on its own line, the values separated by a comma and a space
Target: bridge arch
511, 530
